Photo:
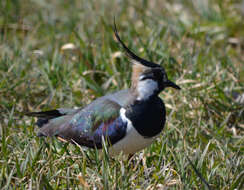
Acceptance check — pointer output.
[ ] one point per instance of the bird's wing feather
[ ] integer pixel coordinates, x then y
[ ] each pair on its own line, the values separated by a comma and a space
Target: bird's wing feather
88, 126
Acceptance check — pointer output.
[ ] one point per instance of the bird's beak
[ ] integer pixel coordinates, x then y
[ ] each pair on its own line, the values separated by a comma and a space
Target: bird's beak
173, 85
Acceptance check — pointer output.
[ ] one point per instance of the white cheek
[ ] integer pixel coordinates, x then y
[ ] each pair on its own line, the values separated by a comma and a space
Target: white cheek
146, 89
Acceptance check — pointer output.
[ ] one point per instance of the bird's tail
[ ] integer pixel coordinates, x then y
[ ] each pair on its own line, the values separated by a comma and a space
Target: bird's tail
45, 116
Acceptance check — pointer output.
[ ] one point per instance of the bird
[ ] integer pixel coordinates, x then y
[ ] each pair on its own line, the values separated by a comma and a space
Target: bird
128, 120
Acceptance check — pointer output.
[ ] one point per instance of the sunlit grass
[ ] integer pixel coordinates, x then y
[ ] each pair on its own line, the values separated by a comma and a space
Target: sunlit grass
200, 46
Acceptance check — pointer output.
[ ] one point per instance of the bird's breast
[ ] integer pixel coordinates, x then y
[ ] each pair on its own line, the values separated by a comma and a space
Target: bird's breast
147, 117
132, 141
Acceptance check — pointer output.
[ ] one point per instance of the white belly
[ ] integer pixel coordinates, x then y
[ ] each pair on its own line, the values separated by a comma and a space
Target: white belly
132, 142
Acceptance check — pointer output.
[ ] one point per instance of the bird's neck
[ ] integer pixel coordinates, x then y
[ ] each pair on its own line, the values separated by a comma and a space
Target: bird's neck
145, 89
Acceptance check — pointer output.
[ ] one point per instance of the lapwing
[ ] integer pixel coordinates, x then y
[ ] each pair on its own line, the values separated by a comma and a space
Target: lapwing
128, 120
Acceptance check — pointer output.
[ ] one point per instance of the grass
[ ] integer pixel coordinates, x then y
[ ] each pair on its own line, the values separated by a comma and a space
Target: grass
200, 44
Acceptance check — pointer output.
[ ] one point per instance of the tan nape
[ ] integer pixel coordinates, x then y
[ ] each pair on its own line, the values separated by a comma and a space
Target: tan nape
136, 71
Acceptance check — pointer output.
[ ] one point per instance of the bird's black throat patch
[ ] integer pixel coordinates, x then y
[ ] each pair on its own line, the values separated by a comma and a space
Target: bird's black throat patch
148, 117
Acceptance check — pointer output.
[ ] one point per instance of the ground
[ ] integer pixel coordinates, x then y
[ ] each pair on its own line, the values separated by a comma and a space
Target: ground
63, 54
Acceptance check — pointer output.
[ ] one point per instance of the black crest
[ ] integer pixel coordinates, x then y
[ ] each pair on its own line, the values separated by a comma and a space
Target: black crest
130, 54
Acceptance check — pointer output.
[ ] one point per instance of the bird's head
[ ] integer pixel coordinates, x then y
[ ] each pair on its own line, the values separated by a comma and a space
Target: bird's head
148, 78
